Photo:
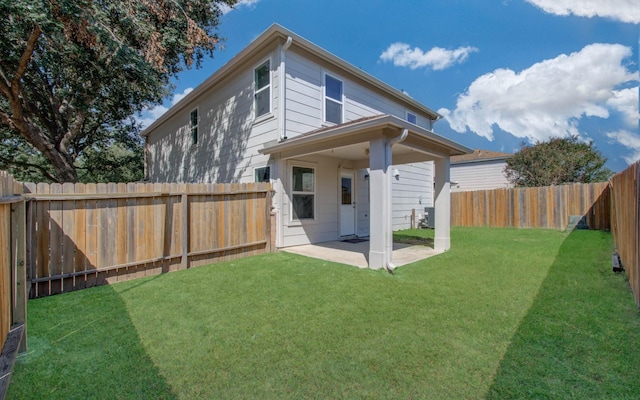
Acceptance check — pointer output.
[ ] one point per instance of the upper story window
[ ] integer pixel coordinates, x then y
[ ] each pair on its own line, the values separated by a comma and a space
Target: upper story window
412, 118
262, 88
333, 102
193, 126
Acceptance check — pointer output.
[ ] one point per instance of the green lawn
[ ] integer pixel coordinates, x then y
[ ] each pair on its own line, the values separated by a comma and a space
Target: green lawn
504, 314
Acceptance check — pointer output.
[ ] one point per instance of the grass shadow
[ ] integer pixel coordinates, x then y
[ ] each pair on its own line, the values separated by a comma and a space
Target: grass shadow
92, 351
580, 339
422, 237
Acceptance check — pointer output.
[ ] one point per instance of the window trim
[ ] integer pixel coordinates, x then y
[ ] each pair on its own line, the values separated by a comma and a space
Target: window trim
255, 169
194, 128
269, 113
314, 193
408, 113
325, 98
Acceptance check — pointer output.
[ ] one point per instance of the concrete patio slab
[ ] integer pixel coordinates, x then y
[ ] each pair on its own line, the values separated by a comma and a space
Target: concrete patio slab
357, 254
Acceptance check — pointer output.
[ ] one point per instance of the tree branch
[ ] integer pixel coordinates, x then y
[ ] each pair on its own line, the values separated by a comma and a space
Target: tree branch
26, 56
25, 165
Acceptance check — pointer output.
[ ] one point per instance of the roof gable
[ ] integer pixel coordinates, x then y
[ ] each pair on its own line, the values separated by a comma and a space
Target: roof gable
480, 155
270, 39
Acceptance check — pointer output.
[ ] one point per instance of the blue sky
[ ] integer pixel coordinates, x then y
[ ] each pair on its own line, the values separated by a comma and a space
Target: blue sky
502, 72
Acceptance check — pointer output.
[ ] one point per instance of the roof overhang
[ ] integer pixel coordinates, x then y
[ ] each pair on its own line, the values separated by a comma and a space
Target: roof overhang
350, 141
274, 36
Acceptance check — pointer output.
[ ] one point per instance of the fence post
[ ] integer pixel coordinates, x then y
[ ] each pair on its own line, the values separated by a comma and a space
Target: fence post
185, 230
19, 270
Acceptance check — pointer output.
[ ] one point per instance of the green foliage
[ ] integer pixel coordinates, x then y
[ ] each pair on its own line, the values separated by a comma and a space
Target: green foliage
555, 162
116, 156
505, 314
73, 71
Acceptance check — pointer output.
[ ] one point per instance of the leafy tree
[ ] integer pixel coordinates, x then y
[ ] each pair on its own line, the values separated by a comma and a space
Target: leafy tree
73, 71
555, 162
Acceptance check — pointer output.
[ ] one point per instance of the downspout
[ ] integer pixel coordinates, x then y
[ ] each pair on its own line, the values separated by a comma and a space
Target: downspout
282, 136
389, 156
282, 114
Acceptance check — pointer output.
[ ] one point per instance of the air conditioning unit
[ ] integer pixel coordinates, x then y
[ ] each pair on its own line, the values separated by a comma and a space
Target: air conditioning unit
429, 217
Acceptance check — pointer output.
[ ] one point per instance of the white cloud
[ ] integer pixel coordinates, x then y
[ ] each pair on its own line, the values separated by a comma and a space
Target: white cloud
437, 58
547, 99
241, 3
148, 116
630, 141
621, 10
626, 101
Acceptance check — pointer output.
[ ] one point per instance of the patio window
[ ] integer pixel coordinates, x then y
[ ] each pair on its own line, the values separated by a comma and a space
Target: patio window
262, 85
333, 101
303, 193
193, 125
262, 174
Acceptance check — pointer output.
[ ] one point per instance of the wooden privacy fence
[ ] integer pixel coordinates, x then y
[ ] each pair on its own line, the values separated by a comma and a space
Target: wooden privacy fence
13, 287
543, 207
89, 234
625, 210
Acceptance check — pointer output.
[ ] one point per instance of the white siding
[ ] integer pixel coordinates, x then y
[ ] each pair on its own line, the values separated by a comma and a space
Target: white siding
305, 97
481, 175
228, 136
413, 189
325, 226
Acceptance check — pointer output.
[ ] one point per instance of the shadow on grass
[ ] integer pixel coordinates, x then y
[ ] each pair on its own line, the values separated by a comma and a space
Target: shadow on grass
423, 237
581, 337
84, 345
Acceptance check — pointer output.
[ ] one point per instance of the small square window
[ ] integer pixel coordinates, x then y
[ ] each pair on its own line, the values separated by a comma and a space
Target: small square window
263, 174
412, 118
193, 125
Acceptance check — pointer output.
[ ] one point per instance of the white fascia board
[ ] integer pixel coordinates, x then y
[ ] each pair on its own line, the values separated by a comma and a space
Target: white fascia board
277, 32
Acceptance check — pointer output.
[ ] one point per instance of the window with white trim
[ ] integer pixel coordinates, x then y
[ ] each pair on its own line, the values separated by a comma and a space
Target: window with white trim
262, 88
333, 101
262, 174
411, 117
193, 126
303, 193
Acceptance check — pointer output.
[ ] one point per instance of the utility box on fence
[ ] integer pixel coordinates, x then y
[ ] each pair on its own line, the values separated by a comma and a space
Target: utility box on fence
429, 217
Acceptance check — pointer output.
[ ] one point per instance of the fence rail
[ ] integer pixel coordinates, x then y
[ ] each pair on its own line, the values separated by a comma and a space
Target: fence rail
625, 199
90, 234
543, 207
13, 287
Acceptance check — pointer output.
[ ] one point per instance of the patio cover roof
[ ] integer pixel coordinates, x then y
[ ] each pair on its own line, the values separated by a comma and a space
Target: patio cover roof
350, 141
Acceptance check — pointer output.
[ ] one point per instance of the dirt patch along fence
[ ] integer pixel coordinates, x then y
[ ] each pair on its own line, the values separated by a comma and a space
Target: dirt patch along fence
625, 215
85, 235
13, 285
544, 207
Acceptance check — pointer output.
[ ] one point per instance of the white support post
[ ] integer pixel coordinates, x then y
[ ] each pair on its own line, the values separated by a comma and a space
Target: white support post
278, 178
380, 206
442, 241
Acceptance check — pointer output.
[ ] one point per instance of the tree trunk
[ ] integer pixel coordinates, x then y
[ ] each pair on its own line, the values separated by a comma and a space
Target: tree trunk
64, 169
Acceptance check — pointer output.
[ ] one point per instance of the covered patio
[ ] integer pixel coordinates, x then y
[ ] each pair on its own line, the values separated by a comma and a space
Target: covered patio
357, 254
379, 142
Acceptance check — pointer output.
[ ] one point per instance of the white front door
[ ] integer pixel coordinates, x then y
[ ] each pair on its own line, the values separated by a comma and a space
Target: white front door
347, 204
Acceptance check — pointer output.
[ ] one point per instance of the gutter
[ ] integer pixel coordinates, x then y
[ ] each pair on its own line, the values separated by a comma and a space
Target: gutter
282, 111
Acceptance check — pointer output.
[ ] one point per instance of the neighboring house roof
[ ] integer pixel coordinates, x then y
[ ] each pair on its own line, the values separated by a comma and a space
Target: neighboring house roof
351, 140
277, 35
479, 155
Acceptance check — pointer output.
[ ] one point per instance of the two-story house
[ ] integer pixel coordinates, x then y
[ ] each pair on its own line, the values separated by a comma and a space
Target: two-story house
347, 154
